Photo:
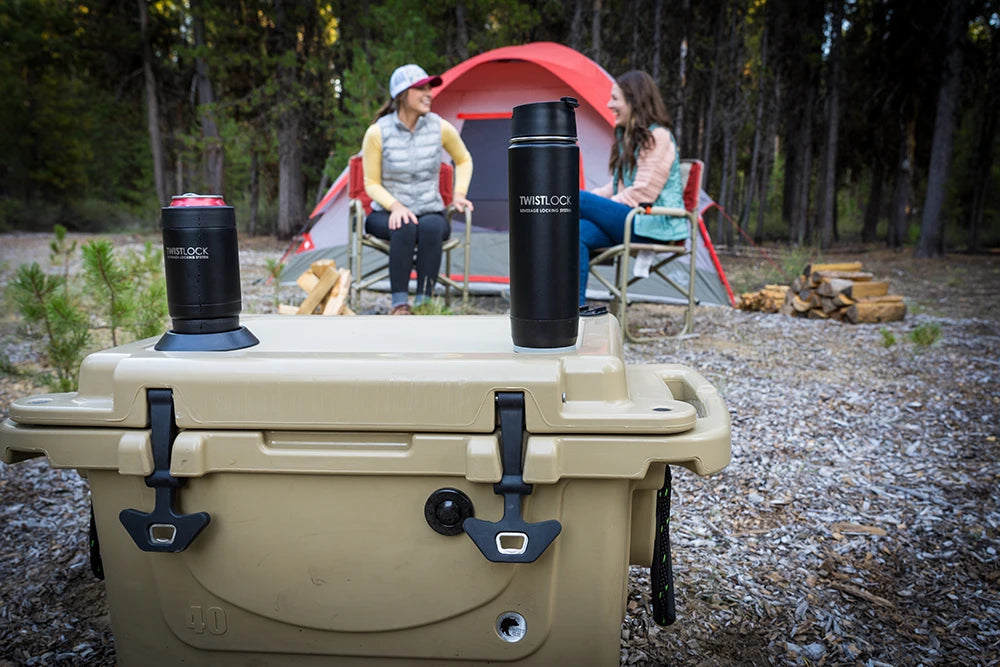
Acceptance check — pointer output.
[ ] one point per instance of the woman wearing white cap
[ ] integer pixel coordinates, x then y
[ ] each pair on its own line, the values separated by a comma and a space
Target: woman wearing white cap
401, 154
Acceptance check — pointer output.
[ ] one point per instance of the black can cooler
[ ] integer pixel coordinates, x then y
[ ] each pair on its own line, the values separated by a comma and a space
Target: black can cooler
202, 263
543, 165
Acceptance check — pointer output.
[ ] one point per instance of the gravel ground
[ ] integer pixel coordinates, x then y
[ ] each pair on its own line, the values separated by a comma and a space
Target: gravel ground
858, 522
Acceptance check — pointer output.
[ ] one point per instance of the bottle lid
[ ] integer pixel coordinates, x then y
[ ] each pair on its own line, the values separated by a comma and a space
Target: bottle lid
192, 199
545, 119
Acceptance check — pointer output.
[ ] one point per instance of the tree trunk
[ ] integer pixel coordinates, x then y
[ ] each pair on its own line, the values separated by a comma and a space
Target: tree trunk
931, 242
657, 47
724, 231
576, 26
291, 191
731, 237
634, 54
874, 206
827, 224
595, 31
764, 189
152, 107
254, 194
461, 33
800, 211
713, 91
899, 213
212, 152
757, 129
982, 170
982, 165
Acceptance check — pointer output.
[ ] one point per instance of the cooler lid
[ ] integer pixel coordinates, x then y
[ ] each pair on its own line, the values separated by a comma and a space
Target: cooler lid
416, 374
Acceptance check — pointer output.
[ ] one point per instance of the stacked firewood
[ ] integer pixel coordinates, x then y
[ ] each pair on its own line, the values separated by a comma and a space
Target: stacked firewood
327, 289
842, 292
770, 299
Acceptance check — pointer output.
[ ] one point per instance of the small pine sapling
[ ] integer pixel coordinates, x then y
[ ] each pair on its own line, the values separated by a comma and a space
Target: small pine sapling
274, 268
60, 254
149, 287
109, 283
44, 302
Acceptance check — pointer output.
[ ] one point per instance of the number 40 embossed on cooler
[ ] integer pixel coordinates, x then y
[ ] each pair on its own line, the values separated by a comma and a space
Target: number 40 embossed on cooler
212, 619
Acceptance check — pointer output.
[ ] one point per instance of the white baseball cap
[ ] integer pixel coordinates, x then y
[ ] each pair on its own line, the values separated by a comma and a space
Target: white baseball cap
408, 76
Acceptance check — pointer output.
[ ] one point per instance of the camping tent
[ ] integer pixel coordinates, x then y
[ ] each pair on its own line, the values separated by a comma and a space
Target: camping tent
477, 97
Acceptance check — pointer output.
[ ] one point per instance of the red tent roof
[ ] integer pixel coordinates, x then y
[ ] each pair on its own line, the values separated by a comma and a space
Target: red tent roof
585, 77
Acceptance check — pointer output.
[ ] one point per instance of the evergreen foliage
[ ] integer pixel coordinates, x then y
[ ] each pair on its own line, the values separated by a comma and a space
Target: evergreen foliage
130, 294
109, 284
44, 303
295, 85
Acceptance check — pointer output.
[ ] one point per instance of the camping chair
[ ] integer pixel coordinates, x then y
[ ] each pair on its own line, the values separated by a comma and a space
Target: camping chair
360, 206
665, 253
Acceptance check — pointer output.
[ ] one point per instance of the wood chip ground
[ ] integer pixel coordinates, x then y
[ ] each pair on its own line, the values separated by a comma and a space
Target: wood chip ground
858, 523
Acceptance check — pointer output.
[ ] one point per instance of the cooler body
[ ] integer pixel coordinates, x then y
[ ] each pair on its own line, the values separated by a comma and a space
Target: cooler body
317, 462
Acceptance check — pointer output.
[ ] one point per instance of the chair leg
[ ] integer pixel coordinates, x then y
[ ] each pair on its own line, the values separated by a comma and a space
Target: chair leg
623, 295
447, 285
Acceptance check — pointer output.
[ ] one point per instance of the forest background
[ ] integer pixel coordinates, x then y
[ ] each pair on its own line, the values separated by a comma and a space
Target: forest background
819, 121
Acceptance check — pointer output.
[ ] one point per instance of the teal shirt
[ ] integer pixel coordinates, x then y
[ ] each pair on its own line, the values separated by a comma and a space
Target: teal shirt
660, 227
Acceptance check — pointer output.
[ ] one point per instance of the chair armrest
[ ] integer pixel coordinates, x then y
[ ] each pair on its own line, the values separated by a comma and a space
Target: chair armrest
356, 211
658, 210
451, 211
664, 210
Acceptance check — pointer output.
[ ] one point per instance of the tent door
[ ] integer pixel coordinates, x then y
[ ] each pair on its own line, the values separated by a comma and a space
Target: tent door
486, 138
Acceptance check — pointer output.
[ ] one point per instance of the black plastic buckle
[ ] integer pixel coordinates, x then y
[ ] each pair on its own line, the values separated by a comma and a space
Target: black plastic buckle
163, 529
512, 539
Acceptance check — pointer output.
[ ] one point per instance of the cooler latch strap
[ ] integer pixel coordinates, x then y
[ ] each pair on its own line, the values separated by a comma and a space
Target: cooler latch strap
163, 529
512, 539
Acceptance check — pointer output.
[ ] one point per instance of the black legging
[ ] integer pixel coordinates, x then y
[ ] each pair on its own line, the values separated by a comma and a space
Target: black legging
426, 237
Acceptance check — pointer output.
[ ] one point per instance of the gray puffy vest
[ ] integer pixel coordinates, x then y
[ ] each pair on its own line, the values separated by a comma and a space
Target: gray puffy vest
411, 162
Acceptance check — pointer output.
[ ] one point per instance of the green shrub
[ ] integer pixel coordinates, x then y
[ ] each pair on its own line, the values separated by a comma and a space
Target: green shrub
61, 253
888, 338
149, 287
925, 335
43, 302
110, 285
433, 306
274, 269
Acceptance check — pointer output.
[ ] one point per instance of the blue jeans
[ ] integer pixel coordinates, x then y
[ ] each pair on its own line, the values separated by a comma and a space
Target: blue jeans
602, 224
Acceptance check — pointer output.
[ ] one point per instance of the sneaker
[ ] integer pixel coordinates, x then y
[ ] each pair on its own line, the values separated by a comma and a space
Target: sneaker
401, 309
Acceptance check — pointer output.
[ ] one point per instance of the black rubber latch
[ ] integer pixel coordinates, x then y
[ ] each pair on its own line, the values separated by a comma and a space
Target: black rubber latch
163, 529
511, 539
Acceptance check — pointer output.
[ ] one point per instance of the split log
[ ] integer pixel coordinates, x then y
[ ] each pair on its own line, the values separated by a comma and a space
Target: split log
800, 305
335, 304
307, 281
317, 294
321, 266
843, 301
867, 289
854, 276
841, 266
871, 312
831, 287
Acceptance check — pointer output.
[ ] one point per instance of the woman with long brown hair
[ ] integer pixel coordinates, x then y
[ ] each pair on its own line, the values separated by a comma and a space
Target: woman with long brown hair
644, 167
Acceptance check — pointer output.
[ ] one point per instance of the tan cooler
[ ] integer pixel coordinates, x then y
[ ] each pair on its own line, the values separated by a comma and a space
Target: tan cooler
374, 490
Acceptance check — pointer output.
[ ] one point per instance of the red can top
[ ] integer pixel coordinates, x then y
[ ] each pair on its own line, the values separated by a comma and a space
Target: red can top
191, 199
